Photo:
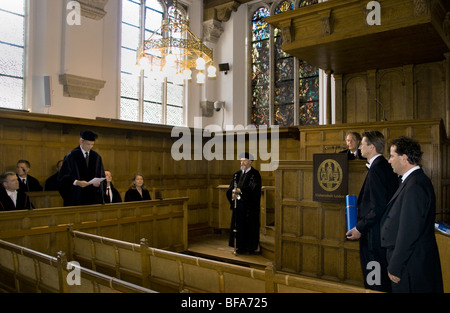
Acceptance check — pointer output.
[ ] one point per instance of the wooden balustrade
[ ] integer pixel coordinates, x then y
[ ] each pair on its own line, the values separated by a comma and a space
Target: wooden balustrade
26, 270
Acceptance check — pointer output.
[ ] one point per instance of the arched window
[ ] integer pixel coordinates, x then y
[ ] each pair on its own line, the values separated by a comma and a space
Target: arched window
12, 52
144, 99
294, 84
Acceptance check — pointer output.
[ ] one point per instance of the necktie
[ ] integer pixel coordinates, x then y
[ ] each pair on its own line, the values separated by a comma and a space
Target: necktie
108, 194
87, 158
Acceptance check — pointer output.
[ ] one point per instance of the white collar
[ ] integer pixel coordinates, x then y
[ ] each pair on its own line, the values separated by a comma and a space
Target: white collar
246, 171
404, 176
11, 192
84, 151
372, 159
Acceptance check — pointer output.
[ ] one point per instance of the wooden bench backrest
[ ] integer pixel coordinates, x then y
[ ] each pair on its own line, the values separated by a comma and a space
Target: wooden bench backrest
26, 270
170, 271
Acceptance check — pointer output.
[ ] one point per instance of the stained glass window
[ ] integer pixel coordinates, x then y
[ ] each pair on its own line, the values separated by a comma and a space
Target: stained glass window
284, 76
260, 68
12, 34
144, 99
295, 83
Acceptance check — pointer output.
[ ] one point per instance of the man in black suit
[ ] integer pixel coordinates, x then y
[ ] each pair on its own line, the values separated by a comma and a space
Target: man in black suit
407, 227
52, 182
379, 186
11, 197
26, 182
111, 194
353, 140
245, 192
79, 167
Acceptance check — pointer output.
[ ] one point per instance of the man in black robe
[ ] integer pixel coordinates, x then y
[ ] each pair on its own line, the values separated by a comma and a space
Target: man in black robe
80, 166
244, 195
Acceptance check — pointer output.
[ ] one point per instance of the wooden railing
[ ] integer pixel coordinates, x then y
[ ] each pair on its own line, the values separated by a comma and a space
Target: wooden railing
26, 270
167, 271
163, 222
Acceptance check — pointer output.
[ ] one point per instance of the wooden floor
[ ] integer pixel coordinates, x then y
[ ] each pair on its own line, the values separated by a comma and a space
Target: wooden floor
215, 247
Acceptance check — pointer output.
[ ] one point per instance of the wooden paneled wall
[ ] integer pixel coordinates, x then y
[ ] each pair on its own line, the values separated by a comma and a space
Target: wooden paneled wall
127, 148
410, 92
429, 133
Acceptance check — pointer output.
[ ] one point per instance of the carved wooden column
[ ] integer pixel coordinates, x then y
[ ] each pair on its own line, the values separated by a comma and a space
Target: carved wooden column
447, 92
328, 100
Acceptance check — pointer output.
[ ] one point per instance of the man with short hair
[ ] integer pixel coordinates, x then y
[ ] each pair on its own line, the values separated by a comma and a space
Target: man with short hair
79, 167
244, 195
27, 182
379, 186
11, 197
407, 227
353, 140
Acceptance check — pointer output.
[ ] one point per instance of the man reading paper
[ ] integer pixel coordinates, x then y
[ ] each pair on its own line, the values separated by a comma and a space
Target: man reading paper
80, 166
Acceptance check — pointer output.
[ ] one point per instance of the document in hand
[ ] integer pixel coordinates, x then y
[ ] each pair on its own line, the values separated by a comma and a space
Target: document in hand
96, 180
351, 211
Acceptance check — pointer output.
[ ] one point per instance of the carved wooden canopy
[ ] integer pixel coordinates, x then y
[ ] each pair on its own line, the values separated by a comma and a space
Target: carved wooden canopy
341, 35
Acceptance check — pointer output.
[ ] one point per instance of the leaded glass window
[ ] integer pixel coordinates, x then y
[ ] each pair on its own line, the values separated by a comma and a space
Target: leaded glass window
144, 99
12, 38
284, 76
295, 84
260, 68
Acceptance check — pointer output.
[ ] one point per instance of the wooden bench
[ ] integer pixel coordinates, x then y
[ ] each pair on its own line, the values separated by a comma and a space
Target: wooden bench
167, 271
26, 270
164, 222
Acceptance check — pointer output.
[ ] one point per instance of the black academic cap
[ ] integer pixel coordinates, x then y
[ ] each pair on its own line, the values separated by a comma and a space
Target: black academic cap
88, 135
246, 155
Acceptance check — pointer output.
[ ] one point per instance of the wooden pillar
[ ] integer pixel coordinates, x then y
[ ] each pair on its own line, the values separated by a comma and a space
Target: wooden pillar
339, 110
328, 100
447, 93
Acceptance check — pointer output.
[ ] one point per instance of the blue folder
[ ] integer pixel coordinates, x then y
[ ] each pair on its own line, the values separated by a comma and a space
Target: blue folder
351, 211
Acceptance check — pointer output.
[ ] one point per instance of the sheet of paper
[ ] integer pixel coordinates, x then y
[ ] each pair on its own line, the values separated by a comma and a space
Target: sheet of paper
96, 180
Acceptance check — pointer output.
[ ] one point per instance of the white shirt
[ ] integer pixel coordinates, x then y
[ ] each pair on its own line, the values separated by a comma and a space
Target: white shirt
371, 160
13, 196
409, 172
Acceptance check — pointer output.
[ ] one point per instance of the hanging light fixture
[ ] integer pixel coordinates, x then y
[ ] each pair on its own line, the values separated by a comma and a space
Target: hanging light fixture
174, 50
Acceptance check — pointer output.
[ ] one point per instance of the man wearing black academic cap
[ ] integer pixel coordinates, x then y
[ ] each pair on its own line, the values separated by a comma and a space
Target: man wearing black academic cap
80, 166
244, 195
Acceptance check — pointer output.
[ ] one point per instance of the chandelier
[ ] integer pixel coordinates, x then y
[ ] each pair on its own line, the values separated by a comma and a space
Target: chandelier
173, 51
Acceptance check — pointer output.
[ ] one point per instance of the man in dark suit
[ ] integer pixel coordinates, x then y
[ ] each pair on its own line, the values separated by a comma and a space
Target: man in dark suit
111, 194
11, 197
245, 192
26, 182
407, 227
353, 140
80, 166
52, 182
379, 186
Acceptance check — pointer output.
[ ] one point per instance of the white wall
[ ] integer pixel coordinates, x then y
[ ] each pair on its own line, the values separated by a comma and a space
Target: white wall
89, 50
92, 50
